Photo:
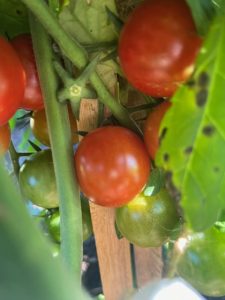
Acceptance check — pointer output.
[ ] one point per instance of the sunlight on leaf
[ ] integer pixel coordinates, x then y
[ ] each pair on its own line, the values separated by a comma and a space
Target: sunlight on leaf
87, 21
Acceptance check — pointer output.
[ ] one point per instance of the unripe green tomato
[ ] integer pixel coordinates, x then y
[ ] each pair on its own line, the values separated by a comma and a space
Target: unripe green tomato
53, 223
202, 261
37, 180
148, 221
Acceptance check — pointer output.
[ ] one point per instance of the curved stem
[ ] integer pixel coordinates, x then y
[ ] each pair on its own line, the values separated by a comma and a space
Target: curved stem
78, 56
62, 151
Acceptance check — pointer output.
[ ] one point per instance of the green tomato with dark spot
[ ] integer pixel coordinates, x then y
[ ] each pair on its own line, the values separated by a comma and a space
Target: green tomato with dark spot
37, 180
149, 221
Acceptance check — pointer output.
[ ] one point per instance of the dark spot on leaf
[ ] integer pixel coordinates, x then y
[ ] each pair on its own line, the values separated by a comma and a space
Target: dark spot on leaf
208, 130
162, 135
19, 12
166, 157
191, 83
188, 150
201, 97
203, 79
216, 169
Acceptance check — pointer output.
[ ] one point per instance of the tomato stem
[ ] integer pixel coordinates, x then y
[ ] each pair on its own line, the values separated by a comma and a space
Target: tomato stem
15, 159
62, 151
77, 54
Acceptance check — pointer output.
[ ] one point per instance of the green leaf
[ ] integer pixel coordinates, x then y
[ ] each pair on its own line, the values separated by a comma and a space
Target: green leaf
28, 270
192, 149
87, 20
203, 12
13, 18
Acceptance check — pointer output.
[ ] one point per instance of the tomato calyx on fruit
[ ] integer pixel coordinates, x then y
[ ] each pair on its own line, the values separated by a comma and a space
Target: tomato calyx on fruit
76, 89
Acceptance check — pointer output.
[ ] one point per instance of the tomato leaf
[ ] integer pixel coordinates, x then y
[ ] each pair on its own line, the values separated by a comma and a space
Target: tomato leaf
13, 18
87, 21
192, 149
203, 12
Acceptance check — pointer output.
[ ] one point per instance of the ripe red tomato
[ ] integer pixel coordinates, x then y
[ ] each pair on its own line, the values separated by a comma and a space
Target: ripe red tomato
151, 128
112, 165
158, 46
33, 99
5, 138
12, 81
148, 221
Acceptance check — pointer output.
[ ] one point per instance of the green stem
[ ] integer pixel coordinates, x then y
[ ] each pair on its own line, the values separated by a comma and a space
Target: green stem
61, 142
15, 159
78, 56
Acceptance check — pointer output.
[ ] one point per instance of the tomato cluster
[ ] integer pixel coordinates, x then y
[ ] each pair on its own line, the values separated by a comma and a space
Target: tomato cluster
157, 50
41, 190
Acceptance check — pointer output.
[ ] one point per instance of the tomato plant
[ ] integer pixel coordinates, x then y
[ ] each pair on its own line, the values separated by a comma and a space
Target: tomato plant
5, 137
37, 180
158, 46
202, 261
151, 128
33, 99
53, 222
148, 221
112, 165
12, 81
39, 126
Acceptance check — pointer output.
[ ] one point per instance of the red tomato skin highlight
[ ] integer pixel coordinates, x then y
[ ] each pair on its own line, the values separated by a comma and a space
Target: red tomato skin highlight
151, 128
33, 99
12, 81
158, 46
112, 165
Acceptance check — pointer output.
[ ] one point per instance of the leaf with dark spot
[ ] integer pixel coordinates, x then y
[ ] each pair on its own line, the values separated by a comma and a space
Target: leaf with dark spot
201, 97
188, 150
203, 79
208, 130
166, 157
195, 139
